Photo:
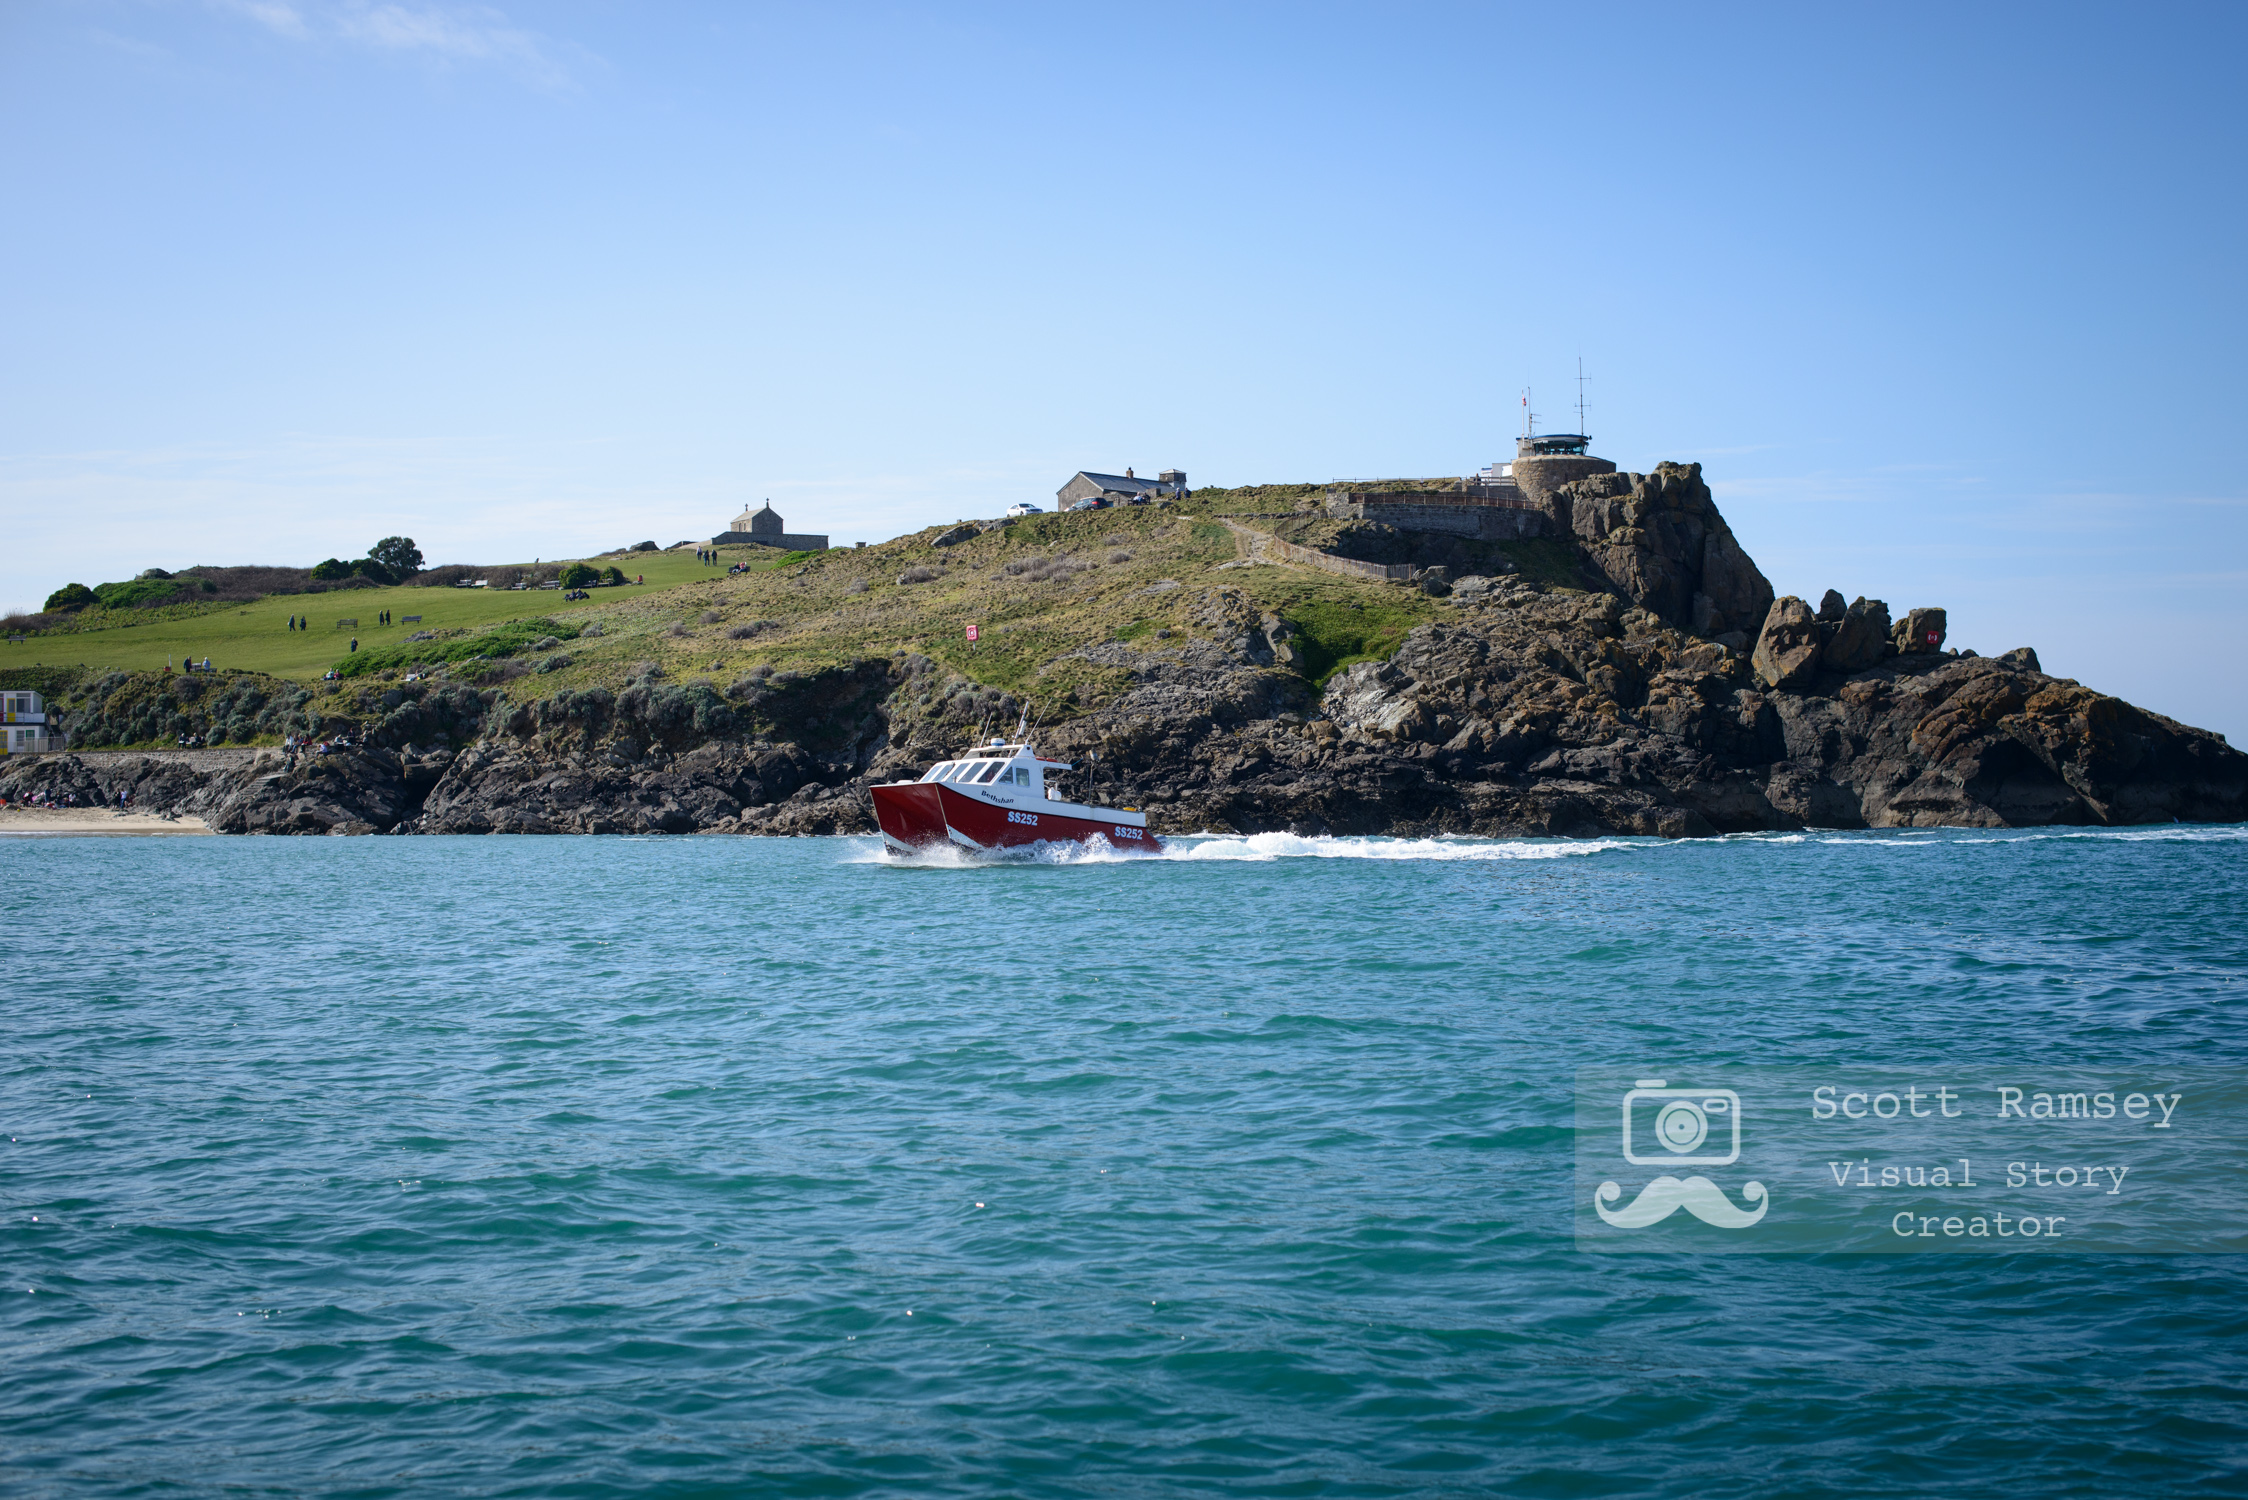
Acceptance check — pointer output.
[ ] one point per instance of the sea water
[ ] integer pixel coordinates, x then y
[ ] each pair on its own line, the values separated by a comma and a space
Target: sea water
437, 1166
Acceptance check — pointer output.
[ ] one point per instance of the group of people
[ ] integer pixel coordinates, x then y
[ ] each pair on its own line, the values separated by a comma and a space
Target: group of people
577, 594
295, 746
41, 797
188, 666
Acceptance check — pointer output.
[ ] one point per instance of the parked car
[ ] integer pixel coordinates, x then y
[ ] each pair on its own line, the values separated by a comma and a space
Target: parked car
1025, 508
1091, 502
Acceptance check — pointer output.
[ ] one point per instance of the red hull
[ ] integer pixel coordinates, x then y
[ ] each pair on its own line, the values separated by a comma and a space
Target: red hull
926, 814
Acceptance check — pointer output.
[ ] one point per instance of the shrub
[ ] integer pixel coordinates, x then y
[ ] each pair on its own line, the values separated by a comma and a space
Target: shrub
374, 571
331, 570
613, 575
580, 576
135, 594
710, 617
920, 573
594, 629
71, 597
677, 629
752, 628
1120, 556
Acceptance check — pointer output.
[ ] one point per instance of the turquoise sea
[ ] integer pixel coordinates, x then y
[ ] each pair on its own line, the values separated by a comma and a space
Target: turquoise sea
609, 1167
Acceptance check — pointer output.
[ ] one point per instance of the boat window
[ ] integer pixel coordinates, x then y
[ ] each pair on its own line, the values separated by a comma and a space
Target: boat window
939, 772
992, 770
1022, 776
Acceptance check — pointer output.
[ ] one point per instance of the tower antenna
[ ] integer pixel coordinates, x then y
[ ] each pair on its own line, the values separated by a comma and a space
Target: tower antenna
1580, 395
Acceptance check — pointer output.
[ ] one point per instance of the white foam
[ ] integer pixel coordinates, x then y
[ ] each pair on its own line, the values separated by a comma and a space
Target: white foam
1252, 848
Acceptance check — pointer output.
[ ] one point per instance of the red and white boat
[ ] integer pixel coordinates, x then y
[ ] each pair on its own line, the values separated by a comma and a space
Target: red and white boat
997, 796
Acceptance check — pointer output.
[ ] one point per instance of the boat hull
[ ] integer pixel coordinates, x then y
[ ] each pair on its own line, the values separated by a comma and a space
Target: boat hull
926, 815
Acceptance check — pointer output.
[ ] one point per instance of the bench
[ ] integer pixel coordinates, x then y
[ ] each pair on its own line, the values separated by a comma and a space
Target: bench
409, 619
354, 624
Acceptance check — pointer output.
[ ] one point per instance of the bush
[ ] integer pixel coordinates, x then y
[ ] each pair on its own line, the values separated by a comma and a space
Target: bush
920, 573
331, 570
752, 628
369, 568
580, 576
613, 575
710, 617
677, 629
135, 594
71, 597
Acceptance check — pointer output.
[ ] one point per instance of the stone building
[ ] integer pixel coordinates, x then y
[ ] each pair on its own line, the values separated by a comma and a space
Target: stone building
1544, 463
764, 527
1119, 489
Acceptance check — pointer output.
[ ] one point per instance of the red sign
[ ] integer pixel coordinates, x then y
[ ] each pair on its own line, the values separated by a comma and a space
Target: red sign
971, 632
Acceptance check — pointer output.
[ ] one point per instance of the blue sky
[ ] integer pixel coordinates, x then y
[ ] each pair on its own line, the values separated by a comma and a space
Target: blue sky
1947, 300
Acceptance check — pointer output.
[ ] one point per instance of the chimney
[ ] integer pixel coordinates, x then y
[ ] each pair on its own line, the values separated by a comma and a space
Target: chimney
1127, 473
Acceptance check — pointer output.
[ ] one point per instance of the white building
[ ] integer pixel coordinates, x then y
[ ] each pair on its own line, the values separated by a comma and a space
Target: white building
23, 724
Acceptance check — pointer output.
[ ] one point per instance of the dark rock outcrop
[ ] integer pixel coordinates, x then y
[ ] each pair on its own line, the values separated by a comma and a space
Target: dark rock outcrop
1657, 540
1858, 636
1788, 647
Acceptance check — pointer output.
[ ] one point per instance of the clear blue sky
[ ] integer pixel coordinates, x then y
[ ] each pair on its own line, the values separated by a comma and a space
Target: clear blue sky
1947, 300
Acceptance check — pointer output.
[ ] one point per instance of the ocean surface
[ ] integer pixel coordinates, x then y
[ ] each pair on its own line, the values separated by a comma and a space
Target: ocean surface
609, 1167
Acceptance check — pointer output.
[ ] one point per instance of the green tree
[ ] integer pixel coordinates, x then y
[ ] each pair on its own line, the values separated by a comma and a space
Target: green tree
374, 569
580, 576
612, 575
71, 596
331, 570
399, 555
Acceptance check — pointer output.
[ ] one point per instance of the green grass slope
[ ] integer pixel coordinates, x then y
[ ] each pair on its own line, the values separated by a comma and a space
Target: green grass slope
1039, 591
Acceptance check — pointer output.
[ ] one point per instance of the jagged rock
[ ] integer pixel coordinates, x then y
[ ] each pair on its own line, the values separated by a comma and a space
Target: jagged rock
1659, 541
2021, 659
1787, 649
956, 536
1859, 637
1921, 632
1830, 607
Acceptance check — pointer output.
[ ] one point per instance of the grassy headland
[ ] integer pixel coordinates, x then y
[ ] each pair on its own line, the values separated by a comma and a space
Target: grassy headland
1040, 590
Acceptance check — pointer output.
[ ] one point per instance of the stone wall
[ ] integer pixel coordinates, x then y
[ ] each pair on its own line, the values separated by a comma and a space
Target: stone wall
787, 543
1455, 516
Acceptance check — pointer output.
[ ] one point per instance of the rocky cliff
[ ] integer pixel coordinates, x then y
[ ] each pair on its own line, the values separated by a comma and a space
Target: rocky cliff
1661, 690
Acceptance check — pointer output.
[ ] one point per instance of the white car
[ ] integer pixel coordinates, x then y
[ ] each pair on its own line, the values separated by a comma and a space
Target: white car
1026, 509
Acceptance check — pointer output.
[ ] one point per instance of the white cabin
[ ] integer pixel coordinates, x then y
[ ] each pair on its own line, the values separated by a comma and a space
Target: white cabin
1013, 775
17, 707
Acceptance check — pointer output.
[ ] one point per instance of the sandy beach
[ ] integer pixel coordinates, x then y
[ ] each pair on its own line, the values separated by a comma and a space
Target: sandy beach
96, 822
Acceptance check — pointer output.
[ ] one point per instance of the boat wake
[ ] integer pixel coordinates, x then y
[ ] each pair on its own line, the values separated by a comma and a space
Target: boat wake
1251, 848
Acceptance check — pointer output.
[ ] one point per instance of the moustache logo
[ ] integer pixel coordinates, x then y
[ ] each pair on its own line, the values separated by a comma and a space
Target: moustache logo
1659, 1199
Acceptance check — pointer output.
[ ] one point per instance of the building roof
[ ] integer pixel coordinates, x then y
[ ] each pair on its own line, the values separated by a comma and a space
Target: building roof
1120, 483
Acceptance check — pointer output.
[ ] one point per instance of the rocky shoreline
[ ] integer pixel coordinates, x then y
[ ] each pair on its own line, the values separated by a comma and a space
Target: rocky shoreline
1671, 695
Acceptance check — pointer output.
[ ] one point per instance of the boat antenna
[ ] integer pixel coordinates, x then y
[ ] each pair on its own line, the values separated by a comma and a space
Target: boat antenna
1022, 722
